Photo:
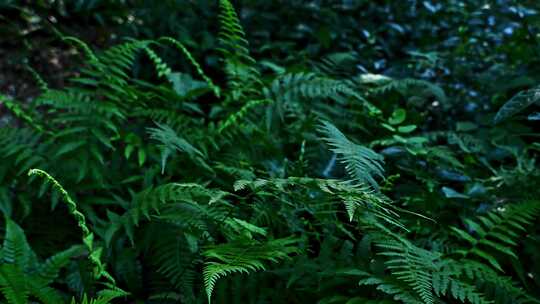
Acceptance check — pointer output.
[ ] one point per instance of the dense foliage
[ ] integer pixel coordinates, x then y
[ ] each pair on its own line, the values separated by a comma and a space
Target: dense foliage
269, 152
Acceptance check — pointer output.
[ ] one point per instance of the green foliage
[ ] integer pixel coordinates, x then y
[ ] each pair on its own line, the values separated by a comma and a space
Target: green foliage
362, 163
87, 235
335, 158
496, 230
517, 103
104, 297
239, 65
193, 62
412, 265
242, 257
22, 275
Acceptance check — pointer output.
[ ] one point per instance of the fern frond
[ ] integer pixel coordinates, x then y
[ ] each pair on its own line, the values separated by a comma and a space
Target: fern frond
339, 64
501, 288
83, 46
87, 235
234, 118
362, 163
231, 34
168, 117
357, 199
191, 206
46, 294
497, 231
171, 142
243, 77
13, 284
444, 283
194, 63
22, 276
104, 296
20, 112
42, 84
412, 265
15, 249
21, 148
40, 278
161, 67
48, 270
174, 192
78, 101
243, 257
290, 88
388, 287
406, 86
116, 61
176, 255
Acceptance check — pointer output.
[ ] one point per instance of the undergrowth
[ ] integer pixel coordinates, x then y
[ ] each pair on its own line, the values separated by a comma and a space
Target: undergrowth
312, 183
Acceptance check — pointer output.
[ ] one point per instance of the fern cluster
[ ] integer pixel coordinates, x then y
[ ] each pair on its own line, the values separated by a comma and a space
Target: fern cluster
312, 182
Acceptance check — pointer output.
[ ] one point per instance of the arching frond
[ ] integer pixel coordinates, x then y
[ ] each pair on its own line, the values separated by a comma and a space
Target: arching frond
362, 163
243, 257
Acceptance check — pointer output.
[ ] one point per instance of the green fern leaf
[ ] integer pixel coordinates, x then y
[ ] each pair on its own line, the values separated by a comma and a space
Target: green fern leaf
243, 257
362, 163
13, 284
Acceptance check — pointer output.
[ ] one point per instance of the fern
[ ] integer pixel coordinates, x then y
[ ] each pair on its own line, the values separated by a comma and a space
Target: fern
289, 90
243, 77
20, 112
243, 257
83, 46
42, 84
397, 292
22, 275
190, 186
176, 256
161, 67
501, 288
194, 63
241, 114
171, 142
190, 193
362, 163
105, 297
496, 231
309, 85
444, 284
358, 200
87, 235
412, 265
13, 285
384, 84
190, 205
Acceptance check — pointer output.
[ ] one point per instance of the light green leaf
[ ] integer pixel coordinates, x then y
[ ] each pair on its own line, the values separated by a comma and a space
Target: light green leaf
398, 116
407, 128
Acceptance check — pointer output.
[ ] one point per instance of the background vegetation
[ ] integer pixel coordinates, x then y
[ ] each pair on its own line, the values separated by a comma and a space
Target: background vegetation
269, 151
